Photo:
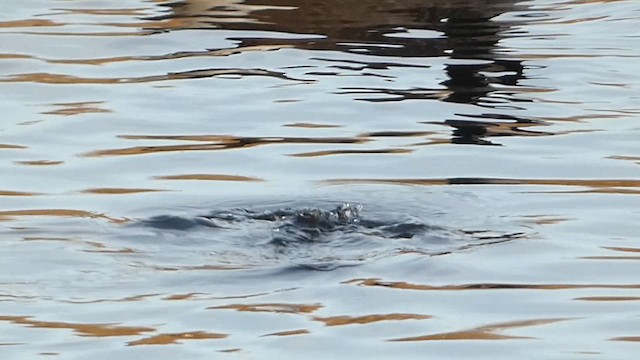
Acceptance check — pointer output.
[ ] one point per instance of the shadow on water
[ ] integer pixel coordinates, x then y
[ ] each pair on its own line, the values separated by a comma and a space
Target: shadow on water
317, 238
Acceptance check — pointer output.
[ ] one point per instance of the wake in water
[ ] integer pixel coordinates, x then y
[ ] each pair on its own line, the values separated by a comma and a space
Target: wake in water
314, 237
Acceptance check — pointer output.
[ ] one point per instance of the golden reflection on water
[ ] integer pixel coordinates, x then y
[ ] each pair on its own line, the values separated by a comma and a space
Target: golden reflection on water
71, 109
28, 23
118, 191
167, 339
207, 177
17, 193
273, 308
92, 246
215, 142
11, 214
11, 146
486, 332
352, 152
97, 330
627, 338
39, 162
289, 333
367, 319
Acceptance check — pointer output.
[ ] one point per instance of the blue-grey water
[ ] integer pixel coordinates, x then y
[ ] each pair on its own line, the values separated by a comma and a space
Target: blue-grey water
279, 179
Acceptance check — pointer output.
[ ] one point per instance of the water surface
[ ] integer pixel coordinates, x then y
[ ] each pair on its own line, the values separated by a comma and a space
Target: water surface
261, 179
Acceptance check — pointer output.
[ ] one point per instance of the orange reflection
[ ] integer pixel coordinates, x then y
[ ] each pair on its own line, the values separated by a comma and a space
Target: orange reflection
46, 78
352, 152
627, 338
124, 299
107, 12
208, 177
487, 332
15, 56
28, 23
166, 339
616, 257
608, 298
9, 146
352, 320
215, 142
398, 134
96, 247
77, 108
272, 308
289, 333
622, 249
9, 215
16, 193
189, 296
97, 330
117, 191
172, 56
39, 163
312, 125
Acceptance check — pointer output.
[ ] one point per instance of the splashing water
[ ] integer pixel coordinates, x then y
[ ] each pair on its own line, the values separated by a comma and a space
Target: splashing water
314, 237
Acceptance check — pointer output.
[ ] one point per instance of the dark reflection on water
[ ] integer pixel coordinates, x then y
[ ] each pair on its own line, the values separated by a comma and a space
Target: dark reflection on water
458, 30
478, 70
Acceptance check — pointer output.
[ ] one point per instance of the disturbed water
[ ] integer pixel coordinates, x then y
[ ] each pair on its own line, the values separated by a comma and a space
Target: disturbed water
327, 179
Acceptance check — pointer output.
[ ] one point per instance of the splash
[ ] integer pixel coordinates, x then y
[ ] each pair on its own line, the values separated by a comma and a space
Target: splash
315, 237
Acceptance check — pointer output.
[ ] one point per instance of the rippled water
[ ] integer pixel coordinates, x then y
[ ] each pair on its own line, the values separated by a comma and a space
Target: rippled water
327, 179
